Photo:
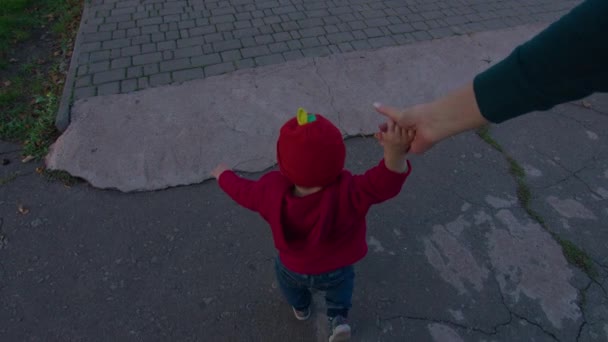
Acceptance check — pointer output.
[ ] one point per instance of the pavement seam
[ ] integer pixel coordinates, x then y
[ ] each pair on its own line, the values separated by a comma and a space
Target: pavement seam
572, 174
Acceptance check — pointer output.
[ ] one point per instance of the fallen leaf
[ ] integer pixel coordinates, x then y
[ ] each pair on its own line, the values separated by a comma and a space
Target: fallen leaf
13, 60
56, 53
27, 159
586, 104
23, 210
40, 169
7, 83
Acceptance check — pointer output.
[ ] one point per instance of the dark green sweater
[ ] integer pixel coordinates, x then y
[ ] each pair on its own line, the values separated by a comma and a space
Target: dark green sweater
565, 62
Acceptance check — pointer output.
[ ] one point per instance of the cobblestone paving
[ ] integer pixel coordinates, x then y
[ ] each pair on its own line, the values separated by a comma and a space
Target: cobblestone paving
130, 45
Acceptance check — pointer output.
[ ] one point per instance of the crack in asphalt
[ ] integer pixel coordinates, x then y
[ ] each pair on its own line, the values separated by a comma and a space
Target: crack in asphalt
329, 92
580, 122
519, 316
232, 127
573, 174
580, 104
582, 305
494, 330
538, 325
587, 164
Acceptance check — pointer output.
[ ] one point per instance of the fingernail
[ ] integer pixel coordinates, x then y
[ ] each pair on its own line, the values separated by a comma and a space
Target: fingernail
377, 104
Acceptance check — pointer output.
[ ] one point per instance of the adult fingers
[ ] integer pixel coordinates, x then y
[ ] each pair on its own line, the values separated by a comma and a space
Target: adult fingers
390, 112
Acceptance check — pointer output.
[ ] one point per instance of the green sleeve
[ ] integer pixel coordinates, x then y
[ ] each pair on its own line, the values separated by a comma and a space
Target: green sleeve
565, 62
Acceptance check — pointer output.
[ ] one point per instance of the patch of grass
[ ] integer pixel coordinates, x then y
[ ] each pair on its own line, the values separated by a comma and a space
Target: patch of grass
578, 257
16, 21
484, 134
30, 89
41, 132
515, 169
26, 115
523, 193
572, 253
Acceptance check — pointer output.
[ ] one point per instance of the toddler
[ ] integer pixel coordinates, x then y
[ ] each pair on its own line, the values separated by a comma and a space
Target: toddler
316, 210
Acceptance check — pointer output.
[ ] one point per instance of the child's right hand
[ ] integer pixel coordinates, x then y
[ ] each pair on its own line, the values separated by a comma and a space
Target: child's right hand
396, 139
396, 142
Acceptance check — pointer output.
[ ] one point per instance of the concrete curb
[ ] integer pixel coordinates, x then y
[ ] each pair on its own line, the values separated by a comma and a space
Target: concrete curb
175, 135
62, 121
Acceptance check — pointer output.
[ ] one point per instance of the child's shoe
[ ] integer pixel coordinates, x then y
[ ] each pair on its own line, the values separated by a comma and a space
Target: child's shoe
301, 315
339, 329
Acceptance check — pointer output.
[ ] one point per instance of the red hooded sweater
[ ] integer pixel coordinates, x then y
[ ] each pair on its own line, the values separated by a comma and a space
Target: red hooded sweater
323, 231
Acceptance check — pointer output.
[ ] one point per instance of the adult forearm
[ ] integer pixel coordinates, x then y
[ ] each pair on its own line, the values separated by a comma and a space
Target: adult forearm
456, 112
565, 62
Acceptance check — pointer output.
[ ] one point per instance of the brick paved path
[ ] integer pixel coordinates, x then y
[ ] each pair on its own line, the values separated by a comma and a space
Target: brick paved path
129, 45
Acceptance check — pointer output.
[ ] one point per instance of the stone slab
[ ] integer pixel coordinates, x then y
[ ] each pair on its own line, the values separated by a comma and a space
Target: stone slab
174, 135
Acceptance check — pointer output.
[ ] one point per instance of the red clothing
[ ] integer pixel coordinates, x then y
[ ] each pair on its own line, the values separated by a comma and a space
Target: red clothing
323, 231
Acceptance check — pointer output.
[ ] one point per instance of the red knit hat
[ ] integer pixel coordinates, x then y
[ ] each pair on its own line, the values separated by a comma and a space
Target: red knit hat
310, 150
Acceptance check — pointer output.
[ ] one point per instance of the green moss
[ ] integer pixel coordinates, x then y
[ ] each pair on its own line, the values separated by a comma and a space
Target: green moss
578, 257
572, 253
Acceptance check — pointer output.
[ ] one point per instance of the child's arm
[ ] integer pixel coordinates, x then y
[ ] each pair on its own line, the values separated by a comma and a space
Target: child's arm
245, 192
385, 180
396, 142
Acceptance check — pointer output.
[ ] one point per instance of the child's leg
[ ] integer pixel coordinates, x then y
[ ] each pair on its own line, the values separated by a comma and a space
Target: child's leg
294, 287
339, 292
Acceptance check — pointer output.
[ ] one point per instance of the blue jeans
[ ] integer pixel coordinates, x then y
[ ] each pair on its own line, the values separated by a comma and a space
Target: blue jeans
338, 286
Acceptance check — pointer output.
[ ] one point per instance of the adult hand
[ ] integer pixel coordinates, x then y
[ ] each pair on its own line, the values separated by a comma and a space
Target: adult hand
434, 121
412, 119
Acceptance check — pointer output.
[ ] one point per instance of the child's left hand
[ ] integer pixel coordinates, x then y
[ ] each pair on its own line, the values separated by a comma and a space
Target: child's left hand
217, 172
